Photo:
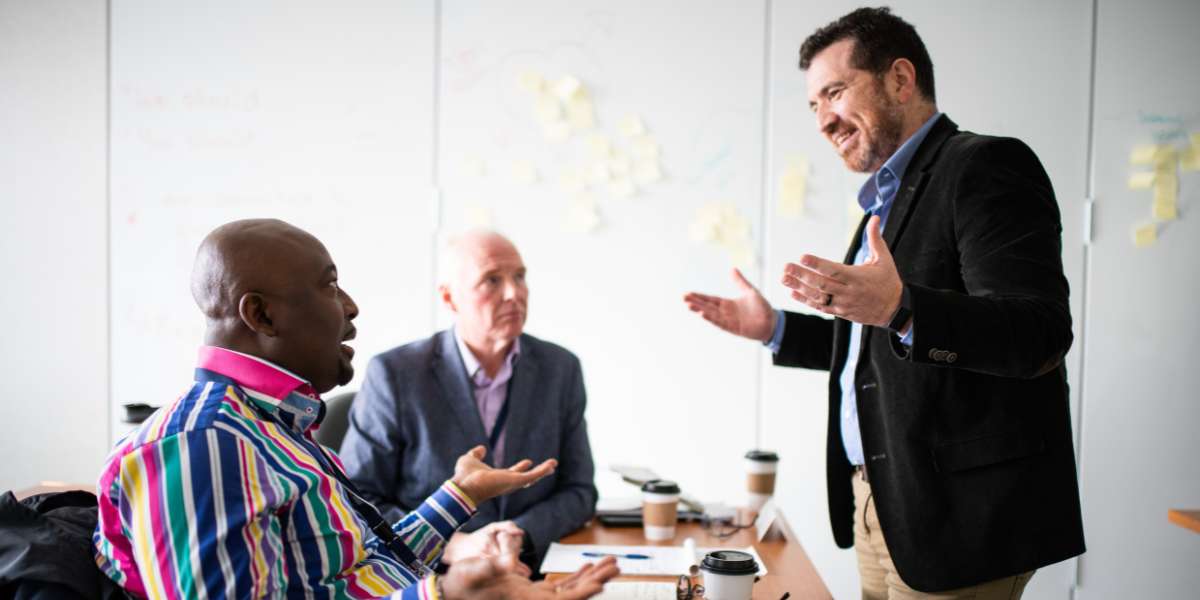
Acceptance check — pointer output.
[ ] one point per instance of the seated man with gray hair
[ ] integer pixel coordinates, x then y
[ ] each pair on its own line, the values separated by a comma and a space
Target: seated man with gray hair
485, 382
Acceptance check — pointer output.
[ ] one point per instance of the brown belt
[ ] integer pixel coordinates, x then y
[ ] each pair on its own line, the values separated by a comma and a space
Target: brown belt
861, 471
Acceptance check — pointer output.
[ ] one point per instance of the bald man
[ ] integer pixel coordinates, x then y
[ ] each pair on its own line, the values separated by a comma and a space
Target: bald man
482, 382
224, 492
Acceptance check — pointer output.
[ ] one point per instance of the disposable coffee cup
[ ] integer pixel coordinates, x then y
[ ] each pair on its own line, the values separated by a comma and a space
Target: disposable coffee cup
728, 575
761, 466
660, 499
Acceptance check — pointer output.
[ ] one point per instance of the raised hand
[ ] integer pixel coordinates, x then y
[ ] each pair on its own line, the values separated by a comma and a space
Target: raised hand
749, 315
482, 482
868, 293
482, 578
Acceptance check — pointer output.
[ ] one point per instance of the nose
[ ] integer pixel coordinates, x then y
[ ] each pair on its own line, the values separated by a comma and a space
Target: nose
826, 119
349, 308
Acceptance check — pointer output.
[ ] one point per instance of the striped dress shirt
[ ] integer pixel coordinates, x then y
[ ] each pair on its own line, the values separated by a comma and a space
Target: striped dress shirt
224, 493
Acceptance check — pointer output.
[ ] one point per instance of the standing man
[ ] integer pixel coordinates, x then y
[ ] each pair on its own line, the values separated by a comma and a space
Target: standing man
481, 382
224, 493
950, 463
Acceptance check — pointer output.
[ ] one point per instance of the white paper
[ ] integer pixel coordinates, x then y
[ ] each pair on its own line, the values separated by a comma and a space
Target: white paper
664, 560
637, 590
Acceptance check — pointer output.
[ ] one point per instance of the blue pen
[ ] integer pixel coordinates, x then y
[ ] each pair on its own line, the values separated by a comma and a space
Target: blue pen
600, 554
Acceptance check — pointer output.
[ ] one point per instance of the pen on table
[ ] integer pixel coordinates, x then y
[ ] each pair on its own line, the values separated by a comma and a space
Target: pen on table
618, 555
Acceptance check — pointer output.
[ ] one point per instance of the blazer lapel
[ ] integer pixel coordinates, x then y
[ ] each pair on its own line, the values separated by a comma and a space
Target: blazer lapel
451, 376
914, 179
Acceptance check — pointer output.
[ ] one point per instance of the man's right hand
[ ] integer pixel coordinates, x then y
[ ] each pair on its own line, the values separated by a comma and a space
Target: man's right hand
483, 579
748, 315
483, 482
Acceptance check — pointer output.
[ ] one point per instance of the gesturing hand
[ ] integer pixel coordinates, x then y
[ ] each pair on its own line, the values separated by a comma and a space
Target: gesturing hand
502, 539
482, 482
868, 293
748, 315
483, 579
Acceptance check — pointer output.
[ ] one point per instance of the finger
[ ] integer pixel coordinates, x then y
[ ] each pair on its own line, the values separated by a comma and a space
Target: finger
803, 288
580, 591
524, 464
819, 305
478, 452
828, 268
793, 273
694, 299
875, 242
741, 282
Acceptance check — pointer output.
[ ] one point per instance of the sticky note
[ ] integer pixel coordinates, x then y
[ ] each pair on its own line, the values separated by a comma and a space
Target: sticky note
702, 231
1141, 180
556, 131
582, 216
793, 185
622, 188
531, 81
524, 172
1189, 159
1196, 140
599, 145
632, 126
1145, 235
646, 171
1165, 198
1165, 157
568, 87
1143, 154
742, 255
580, 113
645, 146
547, 109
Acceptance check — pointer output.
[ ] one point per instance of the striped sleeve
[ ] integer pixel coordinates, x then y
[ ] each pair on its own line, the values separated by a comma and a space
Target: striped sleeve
426, 530
199, 508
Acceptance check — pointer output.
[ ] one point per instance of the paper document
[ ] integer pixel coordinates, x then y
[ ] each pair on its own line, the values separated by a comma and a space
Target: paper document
637, 590
653, 560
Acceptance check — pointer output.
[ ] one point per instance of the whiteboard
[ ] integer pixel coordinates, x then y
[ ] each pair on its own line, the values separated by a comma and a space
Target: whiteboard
304, 111
1140, 410
665, 389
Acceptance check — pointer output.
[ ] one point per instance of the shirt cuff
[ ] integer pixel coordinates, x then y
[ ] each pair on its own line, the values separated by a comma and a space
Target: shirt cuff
425, 589
907, 338
776, 340
447, 509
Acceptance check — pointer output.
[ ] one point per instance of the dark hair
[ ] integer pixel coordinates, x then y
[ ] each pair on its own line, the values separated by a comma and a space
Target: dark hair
879, 39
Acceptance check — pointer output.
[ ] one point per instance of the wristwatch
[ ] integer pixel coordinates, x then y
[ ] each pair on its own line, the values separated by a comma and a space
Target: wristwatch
903, 312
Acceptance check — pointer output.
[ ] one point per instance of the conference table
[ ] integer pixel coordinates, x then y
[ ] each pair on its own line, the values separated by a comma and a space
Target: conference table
789, 571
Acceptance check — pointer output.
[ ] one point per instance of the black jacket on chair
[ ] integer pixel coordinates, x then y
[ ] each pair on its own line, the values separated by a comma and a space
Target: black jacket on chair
967, 435
46, 548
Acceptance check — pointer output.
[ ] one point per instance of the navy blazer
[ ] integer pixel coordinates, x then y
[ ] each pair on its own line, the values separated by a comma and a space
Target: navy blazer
967, 434
416, 414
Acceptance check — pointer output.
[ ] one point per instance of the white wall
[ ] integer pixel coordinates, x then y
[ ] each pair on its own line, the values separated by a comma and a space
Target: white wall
53, 139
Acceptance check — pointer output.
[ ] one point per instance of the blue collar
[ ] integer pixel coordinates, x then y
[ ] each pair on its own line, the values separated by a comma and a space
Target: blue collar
881, 187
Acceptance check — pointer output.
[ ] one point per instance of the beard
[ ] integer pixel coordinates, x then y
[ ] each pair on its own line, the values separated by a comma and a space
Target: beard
883, 139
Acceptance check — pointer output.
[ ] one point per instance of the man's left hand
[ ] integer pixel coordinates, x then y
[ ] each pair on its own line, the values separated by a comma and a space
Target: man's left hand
502, 540
482, 482
868, 293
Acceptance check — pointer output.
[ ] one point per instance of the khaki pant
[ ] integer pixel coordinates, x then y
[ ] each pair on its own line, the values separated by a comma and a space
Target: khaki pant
880, 581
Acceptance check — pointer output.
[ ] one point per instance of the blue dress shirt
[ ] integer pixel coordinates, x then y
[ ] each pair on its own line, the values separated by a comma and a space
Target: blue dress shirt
876, 198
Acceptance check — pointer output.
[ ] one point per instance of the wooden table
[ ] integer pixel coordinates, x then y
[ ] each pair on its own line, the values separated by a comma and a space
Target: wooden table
788, 567
1185, 518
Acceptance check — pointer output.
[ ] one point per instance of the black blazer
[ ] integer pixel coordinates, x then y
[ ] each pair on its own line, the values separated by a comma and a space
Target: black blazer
967, 436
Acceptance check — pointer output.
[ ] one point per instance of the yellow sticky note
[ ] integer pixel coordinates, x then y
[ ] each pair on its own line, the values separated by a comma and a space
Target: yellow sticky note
622, 188
580, 113
742, 255
1165, 211
1189, 159
1143, 154
582, 216
1165, 158
1196, 140
645, 146
632, 126
646, 171
524, 172
1141, 180
1145, 235
793, 185
477, 216
547, 109
556, 131
531, 81
1165, 198
569, 87
599, 145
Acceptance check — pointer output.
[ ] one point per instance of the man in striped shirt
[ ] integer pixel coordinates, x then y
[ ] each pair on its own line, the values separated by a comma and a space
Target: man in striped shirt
224, 493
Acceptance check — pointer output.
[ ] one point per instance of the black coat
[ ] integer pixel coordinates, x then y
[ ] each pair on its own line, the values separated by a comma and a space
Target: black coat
46, 548
967, 436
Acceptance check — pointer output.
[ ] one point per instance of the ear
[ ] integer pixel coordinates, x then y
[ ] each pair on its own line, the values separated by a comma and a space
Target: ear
255, 314
902, 80
447, 298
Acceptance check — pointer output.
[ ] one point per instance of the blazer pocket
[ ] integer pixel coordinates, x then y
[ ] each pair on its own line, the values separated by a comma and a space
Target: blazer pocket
987, 450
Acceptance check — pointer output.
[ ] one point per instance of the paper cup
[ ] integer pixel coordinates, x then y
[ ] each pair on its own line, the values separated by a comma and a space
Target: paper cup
660, 501
761, 467
728, 575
